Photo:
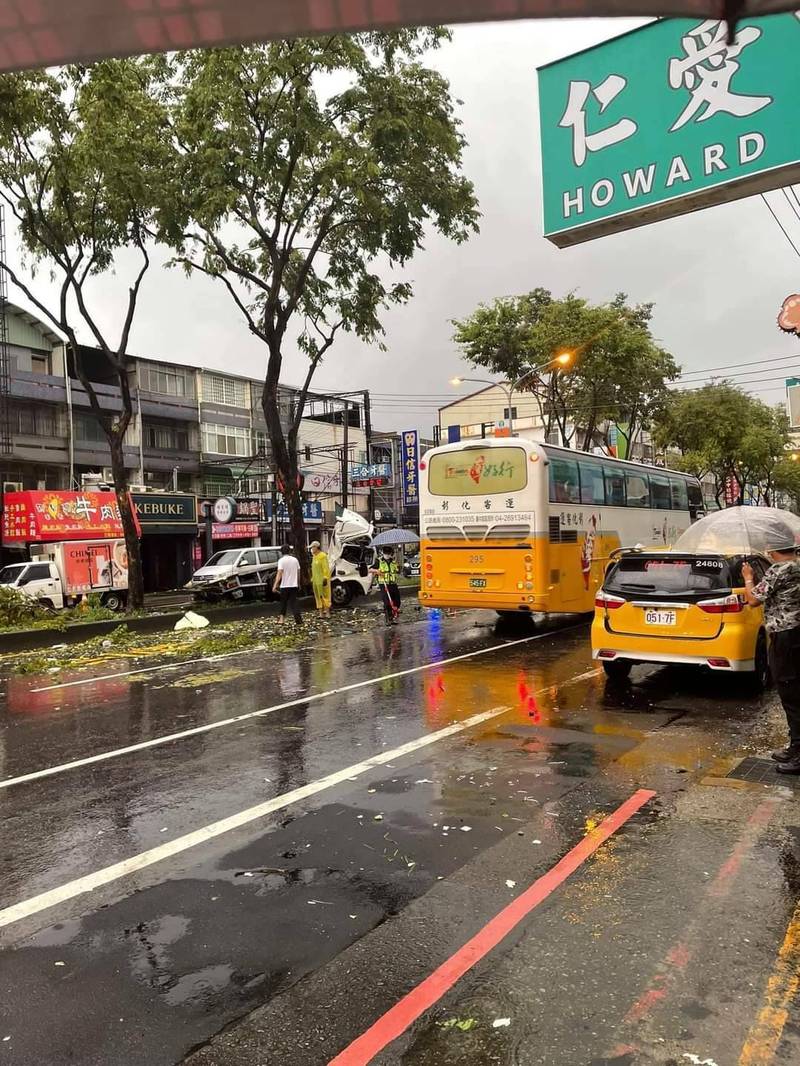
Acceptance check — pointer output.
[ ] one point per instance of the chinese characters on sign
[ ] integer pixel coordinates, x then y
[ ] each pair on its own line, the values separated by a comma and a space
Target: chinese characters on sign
53, 516
665, 119
410, 467
370, 475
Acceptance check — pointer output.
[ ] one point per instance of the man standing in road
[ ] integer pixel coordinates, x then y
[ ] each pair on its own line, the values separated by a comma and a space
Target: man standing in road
388, 573
780, 594
287, 582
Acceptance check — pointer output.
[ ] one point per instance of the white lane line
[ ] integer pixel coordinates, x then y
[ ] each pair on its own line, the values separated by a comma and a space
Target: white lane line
150, 669
168, 738
138, 862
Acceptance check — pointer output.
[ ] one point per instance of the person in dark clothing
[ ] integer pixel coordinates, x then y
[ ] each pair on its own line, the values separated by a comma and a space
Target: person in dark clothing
779, 592
287, 583
388, 573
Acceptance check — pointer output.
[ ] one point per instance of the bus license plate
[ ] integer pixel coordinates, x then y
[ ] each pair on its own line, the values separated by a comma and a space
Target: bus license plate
477, 582
660, 618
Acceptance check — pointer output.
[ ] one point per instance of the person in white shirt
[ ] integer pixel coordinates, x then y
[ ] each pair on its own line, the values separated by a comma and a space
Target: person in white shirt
287, 582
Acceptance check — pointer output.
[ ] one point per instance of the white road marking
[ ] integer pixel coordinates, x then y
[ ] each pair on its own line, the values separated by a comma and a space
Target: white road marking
168, 738
138, 862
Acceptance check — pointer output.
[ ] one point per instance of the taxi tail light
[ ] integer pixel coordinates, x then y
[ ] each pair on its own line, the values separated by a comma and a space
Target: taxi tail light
611, 603
606, 653
720, 664
723, 605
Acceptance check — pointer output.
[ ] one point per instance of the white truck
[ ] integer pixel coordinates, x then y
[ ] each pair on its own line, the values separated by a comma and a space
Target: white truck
351, 557
59, 575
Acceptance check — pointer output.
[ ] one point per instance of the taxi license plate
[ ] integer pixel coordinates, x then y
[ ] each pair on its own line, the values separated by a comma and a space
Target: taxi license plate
477, 582
660, 618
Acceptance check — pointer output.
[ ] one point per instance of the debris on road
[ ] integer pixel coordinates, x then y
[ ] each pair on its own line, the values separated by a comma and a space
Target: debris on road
191, 620
501, 1023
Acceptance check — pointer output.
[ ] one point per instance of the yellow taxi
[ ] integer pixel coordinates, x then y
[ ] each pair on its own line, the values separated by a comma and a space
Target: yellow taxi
672, 607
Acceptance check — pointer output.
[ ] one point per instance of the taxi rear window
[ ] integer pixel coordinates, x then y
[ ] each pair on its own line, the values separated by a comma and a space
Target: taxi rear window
638, 574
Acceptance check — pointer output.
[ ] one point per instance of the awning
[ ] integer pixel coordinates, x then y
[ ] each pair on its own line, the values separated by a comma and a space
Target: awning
52, 32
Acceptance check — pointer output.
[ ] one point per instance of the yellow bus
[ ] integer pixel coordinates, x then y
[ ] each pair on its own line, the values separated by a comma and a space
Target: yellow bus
514, 525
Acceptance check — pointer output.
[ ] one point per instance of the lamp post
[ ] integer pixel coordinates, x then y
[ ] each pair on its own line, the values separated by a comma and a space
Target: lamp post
563, 361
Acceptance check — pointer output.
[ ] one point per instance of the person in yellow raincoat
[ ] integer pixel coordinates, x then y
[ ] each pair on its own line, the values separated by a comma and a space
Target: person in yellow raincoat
321, 578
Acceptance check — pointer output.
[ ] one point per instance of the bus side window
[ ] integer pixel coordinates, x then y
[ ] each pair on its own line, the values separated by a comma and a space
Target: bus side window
680, 494
638, 490
592, 489
660, 493
615, 487
696, 504
564, 481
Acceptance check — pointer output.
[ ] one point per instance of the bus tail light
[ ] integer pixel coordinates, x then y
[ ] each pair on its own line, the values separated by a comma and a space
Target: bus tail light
724, 605
611, 603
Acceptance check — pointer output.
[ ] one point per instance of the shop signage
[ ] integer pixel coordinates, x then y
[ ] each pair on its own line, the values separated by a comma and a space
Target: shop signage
667, 119
235, 530
54, 516
224, 509
249, 509
370, 475
410, 468
312, 512
323, 482
156, 509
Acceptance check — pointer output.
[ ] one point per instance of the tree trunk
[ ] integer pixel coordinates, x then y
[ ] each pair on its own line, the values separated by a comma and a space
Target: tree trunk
286, 470
132, 545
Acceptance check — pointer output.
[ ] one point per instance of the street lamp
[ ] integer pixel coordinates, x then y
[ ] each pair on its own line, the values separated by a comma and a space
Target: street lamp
563, 361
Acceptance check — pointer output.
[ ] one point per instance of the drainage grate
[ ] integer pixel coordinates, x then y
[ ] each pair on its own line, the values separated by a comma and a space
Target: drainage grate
762, 772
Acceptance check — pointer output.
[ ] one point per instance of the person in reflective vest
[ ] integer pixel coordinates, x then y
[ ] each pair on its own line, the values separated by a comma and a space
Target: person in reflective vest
387, 572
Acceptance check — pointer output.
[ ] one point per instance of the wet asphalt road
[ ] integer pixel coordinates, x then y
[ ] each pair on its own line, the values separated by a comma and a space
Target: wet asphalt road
283, 939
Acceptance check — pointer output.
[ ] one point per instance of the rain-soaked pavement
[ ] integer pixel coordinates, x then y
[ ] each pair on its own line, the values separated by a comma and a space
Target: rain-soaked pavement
288, 858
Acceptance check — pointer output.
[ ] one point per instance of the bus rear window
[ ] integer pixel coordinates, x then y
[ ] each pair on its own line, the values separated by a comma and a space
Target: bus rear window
478, 471
667, 575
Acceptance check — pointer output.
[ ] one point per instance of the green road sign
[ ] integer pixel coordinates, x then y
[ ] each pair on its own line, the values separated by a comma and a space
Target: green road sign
667, 119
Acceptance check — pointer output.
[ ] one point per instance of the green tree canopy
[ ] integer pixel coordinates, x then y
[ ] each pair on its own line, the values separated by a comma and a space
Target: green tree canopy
720, 430
619, 375
80, 159
304, 171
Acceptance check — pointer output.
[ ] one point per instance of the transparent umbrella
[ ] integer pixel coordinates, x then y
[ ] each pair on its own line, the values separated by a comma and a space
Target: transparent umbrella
741, 531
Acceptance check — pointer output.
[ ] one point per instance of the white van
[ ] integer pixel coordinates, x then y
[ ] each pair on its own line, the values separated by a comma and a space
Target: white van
236, 573
351, 558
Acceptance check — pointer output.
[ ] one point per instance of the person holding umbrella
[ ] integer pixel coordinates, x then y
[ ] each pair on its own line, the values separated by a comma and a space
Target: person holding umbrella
387, 574
779, 592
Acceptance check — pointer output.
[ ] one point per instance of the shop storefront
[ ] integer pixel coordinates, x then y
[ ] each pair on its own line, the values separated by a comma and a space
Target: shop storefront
169, 534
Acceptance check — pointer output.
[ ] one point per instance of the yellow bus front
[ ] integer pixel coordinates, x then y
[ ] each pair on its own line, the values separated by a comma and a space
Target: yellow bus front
483, 522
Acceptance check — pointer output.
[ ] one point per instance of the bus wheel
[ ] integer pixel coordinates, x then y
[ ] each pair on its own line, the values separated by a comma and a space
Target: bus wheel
618, 669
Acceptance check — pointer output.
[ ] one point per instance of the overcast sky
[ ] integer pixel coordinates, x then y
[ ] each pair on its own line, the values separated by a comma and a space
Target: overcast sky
717, 277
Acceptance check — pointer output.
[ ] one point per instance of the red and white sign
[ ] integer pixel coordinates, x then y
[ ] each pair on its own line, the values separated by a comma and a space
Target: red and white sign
53, 516
234, 530
89, 567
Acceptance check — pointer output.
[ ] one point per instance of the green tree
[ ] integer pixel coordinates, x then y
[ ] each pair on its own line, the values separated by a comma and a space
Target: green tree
78, 160
786, 481
721, 431
304, 170
619, 375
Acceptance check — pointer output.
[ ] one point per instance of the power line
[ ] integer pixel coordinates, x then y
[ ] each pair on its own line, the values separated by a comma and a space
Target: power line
781, 226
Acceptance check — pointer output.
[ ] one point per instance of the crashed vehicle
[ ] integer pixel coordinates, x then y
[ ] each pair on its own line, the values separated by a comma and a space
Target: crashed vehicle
236, 574
351, 557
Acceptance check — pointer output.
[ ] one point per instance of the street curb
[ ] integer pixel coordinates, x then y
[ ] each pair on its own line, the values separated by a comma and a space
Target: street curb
34, 639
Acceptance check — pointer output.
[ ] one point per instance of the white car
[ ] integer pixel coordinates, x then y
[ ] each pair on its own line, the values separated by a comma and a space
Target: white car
236, 573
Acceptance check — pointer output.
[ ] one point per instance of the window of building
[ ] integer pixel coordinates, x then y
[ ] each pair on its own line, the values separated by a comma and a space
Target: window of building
88, 430
227, 391
509, 412
41, 363
169, 438
226, 440
166, 380
214, 487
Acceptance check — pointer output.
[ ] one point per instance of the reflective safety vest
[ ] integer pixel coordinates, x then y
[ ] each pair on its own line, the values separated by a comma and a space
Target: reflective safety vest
387, 571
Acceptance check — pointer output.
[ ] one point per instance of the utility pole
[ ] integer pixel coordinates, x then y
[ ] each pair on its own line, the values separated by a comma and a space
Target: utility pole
345, 456
368, 435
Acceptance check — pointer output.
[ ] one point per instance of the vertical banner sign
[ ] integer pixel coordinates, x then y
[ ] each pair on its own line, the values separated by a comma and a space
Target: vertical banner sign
410, 466
668, 119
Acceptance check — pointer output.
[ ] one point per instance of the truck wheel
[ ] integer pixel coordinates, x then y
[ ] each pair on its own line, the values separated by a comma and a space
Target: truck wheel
341, 594
618, 669
114, 601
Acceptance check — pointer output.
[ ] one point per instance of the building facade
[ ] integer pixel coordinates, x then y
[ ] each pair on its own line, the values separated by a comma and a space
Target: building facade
195, 433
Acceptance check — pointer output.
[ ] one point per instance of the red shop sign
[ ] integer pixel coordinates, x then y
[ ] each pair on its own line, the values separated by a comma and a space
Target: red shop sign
51, 516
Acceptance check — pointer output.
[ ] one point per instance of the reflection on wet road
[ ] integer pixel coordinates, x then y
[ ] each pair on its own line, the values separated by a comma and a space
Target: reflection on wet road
426, 774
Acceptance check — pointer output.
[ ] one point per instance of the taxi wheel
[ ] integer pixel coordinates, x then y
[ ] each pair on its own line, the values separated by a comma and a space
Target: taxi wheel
618, 670
760, 679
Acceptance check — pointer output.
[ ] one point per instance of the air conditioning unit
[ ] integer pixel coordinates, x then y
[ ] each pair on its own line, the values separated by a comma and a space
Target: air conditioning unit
140, 488
12, 486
